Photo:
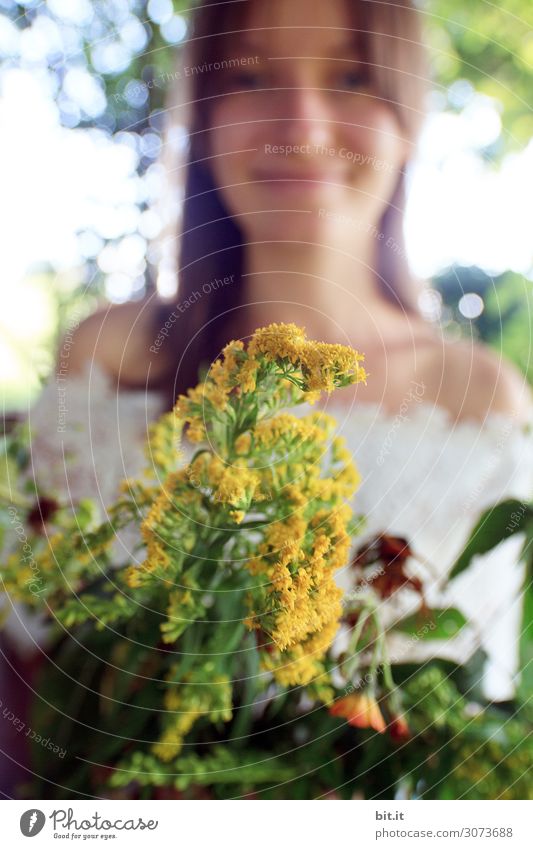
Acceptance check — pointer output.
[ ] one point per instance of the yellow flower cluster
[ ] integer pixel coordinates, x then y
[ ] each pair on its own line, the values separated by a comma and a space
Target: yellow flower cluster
257, 461
171, 510
301, 607
163, 449
286, 427
213, 392
279, 341
276, 464
236, 486
200, 695
312, 366
303, 663
171, 740
324, 366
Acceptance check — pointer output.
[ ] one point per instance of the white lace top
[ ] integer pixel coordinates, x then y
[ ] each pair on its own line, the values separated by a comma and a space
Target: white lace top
423, 478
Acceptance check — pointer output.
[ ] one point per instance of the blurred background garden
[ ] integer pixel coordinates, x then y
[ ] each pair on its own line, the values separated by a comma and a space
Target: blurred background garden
82, 117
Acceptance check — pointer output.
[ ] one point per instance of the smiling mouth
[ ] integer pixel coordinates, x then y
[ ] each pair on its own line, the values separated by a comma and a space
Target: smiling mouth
296, 177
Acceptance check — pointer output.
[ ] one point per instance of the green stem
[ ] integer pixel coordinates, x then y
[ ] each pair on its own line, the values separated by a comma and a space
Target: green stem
387, 673
352, 663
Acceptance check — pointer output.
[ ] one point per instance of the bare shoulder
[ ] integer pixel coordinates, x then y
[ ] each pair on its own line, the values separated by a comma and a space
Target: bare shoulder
117, 339
474, 380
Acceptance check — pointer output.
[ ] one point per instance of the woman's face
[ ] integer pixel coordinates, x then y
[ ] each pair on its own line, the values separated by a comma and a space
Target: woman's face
301, 145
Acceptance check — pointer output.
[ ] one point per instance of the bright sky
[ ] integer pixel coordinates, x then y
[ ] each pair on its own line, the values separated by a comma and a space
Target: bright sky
461, 208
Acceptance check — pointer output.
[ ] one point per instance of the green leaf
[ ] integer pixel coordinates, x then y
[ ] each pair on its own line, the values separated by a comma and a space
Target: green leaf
526, 629
433, 623
86, 514
526, 647
495, 525
527, 550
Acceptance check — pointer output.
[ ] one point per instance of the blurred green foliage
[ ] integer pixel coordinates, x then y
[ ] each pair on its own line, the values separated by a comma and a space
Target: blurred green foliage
506, 322
491, 46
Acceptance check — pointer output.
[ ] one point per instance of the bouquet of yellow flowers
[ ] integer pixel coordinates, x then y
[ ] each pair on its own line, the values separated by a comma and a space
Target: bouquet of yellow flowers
244, 540
205, 660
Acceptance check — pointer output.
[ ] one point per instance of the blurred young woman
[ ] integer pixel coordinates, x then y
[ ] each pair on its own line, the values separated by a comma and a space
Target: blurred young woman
302, 121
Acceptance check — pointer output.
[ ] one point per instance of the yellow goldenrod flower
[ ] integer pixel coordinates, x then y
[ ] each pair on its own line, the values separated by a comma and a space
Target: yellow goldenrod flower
248, 374
243, 443
278, 341
236, 485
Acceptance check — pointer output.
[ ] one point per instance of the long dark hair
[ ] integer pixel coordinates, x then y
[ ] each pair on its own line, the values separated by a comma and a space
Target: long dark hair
211, 244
